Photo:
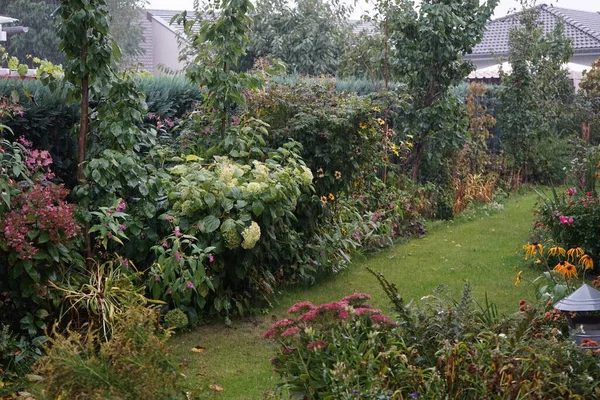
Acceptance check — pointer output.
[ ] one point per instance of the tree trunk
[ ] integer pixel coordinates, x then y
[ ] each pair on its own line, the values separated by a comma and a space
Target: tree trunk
83, 131
417, 161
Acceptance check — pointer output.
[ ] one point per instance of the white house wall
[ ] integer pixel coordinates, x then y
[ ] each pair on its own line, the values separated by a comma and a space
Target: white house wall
165, 48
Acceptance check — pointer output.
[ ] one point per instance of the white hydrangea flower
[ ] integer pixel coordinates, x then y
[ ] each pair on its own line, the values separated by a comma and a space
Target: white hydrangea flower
254, 188
306, 175
226, 172
251, 235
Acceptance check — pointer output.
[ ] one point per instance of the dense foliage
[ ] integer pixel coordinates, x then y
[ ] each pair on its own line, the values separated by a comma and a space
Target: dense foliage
537, 103
309, 36
439, 349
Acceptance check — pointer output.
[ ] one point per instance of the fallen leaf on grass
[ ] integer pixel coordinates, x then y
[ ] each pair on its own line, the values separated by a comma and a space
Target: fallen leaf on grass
216, 388
198, 349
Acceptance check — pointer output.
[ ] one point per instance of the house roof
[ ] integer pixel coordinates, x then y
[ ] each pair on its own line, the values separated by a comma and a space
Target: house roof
582, 27
165, 16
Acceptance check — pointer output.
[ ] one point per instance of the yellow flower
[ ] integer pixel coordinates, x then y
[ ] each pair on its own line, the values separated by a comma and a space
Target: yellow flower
338, 175
409, 144
324, 199
538, 261
410, 136
556, 250
566, 269
362, 125
376, 109
574, 253
380, 121
331, 196
531, 249
395, 150
586, 262
570, 271
320, 173
518, 280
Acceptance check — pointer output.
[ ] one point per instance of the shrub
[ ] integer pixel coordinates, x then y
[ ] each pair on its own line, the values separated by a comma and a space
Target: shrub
176, 319
48, 118
234, 233
438, 349
341, 134
39, 237
343, 349
132, 365
572, 219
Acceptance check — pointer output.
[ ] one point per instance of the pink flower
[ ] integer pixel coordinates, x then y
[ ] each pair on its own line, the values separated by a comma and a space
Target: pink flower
571, 191
343, 314
366, 311
121, 206
293, 331
24, 141
189, 285
336, 305
283, 323
319, 344
309, 316
177, 232
356, 297
301, 307
270, 334
383, 319
177, 256
211, 258
566, 220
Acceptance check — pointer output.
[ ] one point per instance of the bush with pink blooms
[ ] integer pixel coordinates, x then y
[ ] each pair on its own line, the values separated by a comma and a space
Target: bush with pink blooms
571, 218
342, 350
39, 240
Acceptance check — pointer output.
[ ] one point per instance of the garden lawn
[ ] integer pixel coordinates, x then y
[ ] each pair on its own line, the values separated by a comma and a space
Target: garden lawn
486, 251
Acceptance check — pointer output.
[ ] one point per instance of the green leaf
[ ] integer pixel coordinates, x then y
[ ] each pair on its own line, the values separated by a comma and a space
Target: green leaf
258, 208
209, 224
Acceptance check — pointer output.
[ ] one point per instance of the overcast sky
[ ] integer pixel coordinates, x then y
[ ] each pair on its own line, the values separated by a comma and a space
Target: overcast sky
503, 8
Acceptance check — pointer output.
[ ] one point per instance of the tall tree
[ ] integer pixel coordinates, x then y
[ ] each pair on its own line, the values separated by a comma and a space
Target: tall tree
427, 44
42, 19
309, 36
535, 96
41, 40
124, 25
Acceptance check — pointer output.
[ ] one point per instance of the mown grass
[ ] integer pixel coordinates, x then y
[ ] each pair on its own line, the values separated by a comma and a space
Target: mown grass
485, 251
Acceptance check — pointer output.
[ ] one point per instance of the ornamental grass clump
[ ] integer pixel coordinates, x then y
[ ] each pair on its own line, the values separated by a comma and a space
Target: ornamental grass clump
132, 365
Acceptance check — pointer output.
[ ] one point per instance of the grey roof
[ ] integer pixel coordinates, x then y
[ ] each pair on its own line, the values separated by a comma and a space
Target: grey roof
165, 16
582, 27
586, 298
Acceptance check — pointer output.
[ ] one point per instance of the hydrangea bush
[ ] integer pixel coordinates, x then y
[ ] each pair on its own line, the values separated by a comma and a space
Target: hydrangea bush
233, 223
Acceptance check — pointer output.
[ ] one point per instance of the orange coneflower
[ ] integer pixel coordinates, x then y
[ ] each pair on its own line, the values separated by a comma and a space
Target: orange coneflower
574, 253
566, 270
586, 262
531, 248
324, 199
556, 250
331, 196
362, 125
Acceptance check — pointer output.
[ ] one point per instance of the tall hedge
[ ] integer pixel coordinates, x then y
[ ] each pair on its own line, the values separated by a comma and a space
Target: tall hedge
48, 119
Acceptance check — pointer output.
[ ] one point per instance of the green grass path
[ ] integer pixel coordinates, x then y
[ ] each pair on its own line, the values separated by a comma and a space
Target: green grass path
485, 251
